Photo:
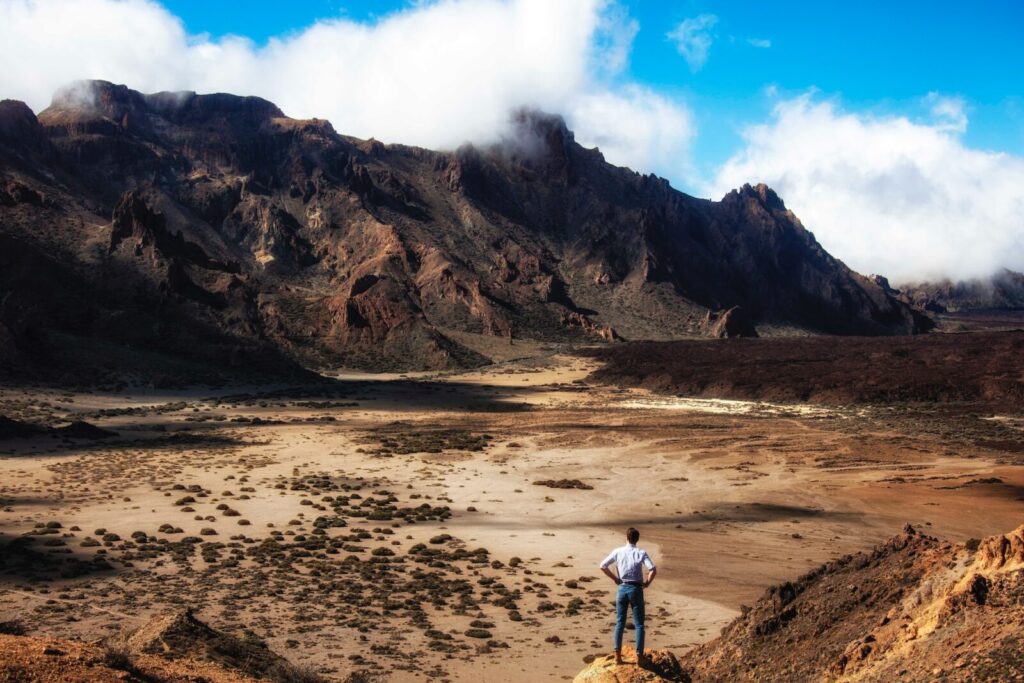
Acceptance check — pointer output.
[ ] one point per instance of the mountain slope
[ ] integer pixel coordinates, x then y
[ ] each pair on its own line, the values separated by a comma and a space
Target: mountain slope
214, 227
913, 609
1004, 290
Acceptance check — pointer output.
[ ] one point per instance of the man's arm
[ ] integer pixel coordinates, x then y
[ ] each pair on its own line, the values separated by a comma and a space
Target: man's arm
608, 573
652, 571
609, 561
650, 577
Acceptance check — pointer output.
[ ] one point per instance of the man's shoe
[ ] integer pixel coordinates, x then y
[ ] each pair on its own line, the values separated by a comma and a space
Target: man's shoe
618, 659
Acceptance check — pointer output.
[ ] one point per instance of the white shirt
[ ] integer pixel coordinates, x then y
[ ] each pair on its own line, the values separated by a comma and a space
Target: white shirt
629, 560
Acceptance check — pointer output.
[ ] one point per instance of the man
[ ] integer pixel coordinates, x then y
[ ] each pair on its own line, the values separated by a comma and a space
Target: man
629, 562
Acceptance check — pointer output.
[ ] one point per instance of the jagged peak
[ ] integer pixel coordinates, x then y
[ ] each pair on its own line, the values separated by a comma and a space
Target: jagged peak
541, 122
761, 192
97, 97
536, 134
15, 110
16, 119
90, 98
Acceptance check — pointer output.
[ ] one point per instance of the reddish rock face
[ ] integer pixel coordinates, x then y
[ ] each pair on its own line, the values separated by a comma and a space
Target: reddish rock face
247, 232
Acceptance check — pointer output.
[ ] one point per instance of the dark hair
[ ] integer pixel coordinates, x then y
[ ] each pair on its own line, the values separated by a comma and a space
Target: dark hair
632, 535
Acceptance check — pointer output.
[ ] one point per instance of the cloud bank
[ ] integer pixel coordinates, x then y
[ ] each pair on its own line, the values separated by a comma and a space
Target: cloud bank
437, 74
886, 194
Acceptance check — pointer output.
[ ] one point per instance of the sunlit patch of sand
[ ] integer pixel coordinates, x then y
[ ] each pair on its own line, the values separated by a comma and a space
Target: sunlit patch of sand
1011, 421
721, 406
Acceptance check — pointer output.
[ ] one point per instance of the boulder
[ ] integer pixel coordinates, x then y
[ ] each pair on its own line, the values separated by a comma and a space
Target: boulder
730, 323
661, 665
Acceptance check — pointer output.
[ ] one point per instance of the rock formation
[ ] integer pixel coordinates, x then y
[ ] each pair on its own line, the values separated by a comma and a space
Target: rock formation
1004, 290
660, 666
174, 648
728, 324
214, 229
181, 635
913, 609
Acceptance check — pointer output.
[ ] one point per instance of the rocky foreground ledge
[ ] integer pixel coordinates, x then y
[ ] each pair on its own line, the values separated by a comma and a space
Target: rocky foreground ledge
912, 609
170, 648
661, 665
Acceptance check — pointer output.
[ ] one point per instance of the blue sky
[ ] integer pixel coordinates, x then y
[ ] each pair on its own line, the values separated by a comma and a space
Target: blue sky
879, 57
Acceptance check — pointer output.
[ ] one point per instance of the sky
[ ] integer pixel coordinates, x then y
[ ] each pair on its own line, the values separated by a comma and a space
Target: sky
895, 131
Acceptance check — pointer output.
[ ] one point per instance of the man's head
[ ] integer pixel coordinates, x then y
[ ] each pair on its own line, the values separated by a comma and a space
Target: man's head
632, 535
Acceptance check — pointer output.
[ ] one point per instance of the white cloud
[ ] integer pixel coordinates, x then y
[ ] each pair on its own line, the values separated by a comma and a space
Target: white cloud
949, 112
435, 74
658, 129
888, 195
760, 42
693, 39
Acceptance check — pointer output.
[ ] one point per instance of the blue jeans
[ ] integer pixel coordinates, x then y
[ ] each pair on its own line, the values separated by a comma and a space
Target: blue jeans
629, 596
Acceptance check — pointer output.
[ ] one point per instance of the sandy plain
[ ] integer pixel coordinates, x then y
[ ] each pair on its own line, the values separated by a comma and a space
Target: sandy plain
392, 524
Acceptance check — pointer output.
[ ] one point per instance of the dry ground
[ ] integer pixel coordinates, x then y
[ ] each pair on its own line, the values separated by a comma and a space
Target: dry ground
322, 546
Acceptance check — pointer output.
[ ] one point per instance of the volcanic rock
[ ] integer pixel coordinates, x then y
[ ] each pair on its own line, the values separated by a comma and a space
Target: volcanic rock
660, 665
240, 238
910, 607
728, 324
1004, 290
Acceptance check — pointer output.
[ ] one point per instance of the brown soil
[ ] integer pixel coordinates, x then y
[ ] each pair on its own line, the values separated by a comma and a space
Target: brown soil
371, 527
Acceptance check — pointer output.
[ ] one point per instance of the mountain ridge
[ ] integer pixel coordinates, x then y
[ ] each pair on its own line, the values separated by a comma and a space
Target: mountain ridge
244, 235
1002, 291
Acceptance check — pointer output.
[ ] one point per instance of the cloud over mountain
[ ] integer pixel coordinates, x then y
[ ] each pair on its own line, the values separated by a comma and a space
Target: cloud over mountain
904, 198
436, 74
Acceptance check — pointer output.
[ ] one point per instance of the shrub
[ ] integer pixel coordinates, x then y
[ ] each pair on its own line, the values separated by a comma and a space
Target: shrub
286, 672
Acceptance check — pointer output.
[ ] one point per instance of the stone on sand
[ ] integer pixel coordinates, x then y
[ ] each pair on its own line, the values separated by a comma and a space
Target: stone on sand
661, 665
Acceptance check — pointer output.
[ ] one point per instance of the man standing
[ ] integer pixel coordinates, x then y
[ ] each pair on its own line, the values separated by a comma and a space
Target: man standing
630, 561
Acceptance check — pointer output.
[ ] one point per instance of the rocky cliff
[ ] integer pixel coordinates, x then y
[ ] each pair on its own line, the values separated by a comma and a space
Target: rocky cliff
1004, 290
912, 609
215, 229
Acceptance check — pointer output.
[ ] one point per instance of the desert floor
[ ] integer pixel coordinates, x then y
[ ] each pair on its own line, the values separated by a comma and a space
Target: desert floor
307, 516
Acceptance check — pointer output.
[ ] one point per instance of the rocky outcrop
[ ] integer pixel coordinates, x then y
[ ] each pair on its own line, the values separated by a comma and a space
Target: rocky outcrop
1004, 290
180, 635
141, 227
728, 324
239, 227
171, 648
659, 666
913, 609
42, 659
